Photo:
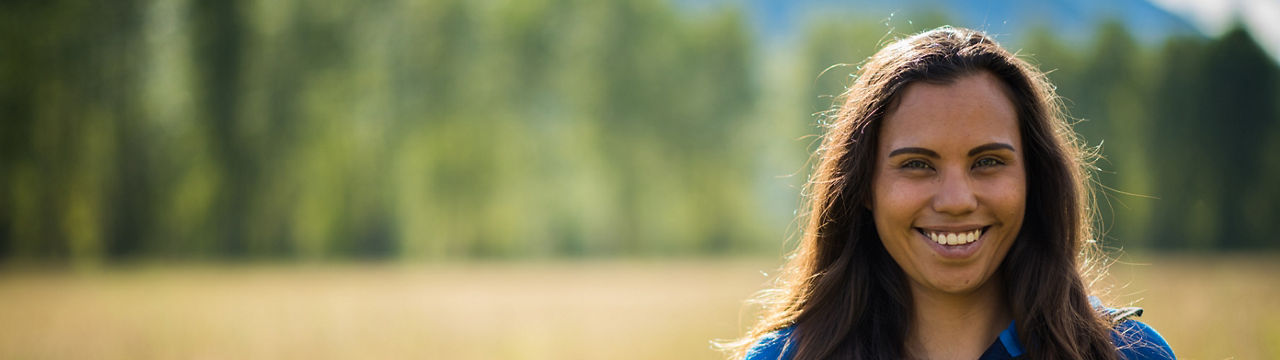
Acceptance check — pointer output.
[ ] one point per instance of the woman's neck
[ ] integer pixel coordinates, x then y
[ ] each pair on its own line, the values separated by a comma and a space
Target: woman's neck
950, 326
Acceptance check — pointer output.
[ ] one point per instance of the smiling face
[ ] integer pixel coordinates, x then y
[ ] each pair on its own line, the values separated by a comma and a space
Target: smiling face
949, 188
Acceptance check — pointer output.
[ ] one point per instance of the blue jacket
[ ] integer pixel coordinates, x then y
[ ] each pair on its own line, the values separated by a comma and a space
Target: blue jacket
1134, 340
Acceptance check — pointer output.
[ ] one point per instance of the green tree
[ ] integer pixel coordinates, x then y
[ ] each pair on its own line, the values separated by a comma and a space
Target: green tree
1241, 89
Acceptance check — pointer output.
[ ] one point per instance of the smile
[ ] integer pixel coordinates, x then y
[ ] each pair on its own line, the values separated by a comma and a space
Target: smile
953, 238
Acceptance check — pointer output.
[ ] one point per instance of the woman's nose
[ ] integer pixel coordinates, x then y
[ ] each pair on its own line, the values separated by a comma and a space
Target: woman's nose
955, 195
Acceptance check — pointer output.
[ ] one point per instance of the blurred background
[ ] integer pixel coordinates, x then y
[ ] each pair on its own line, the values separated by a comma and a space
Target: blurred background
550, 179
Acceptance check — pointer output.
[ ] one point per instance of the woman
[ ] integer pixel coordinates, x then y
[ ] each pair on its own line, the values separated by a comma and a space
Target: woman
948, 210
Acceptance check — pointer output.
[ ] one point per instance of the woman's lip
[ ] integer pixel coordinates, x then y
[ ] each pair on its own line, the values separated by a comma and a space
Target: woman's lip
952, 228
954, 252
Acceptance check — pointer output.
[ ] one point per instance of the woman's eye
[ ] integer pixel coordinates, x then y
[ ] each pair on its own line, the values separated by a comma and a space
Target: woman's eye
987, 162
916, 164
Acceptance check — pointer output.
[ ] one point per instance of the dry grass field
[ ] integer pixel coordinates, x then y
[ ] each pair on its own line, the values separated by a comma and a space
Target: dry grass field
1208, 308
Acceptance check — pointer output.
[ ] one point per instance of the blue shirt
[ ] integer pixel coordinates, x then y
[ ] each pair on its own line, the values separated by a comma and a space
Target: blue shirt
1134, 340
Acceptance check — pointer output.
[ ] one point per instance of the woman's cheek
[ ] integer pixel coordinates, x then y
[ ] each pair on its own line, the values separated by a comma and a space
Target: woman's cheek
911, 194
1007, 195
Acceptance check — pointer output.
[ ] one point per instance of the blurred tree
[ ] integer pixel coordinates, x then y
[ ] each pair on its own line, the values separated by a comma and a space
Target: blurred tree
1110, 102
219, 47
1181, 216
75, 183
1241, 90
501, 128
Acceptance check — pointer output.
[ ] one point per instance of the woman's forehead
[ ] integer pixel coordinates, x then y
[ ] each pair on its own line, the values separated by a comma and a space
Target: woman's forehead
971, 109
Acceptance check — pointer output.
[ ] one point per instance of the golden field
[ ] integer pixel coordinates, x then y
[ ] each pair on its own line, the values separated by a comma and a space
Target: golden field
1217, 307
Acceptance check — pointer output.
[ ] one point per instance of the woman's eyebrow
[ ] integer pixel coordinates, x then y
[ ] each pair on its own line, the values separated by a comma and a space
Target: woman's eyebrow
989, 147
915, 150
930, 153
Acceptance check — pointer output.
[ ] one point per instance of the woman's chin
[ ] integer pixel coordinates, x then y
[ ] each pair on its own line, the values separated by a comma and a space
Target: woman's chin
956, 284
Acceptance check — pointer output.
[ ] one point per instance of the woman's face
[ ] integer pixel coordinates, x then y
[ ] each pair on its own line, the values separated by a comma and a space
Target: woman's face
949, 184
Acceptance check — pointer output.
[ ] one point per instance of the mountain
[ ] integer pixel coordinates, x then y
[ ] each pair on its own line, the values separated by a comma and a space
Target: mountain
1072, 19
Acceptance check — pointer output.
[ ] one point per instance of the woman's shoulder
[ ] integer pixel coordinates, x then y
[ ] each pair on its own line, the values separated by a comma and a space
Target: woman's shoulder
1138, 341
772, 346
1134, 339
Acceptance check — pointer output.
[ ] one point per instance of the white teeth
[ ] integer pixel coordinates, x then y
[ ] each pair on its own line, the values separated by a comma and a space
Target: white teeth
955, 238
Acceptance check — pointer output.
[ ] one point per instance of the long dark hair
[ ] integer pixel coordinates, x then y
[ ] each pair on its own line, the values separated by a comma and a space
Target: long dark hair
844, 295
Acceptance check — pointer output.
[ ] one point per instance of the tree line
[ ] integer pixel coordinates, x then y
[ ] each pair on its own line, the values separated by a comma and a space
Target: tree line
448, 129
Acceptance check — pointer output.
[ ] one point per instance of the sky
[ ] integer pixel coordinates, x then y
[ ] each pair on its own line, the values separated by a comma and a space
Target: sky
1262, 17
